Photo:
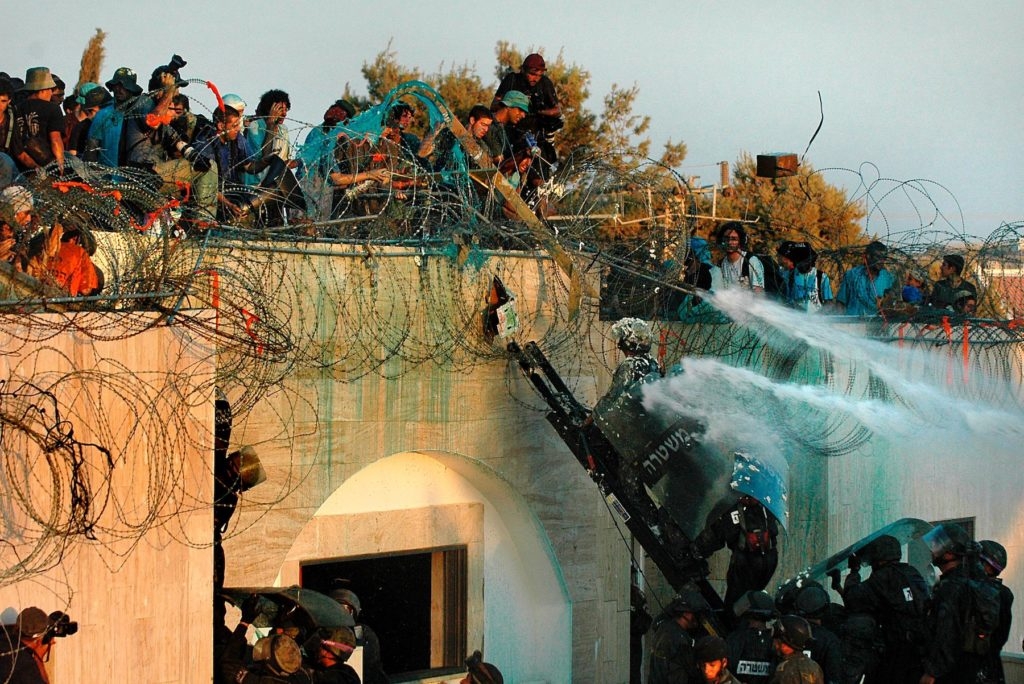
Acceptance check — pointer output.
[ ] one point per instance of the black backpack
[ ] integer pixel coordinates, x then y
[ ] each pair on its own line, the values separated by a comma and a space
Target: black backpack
982, 619
773, 285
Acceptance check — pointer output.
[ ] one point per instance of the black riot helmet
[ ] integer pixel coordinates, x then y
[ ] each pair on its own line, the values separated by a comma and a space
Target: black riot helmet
709, 649
947, 538
755, 604
993, 554
792, 630
885, 548
811, 602
785, 597
348, 599
687, 601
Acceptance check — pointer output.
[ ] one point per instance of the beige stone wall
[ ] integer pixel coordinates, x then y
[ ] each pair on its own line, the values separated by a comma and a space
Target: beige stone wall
487, 412
138, 581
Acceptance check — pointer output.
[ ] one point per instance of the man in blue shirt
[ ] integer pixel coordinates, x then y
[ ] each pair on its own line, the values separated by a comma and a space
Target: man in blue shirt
804, 287
864, 286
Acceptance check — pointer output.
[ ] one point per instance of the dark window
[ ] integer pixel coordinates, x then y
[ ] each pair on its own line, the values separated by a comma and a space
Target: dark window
966, 523
415, 602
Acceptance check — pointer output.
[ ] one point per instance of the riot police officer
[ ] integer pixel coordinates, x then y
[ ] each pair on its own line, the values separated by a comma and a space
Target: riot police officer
750, 645
946, 661
812, 604
791, 636
672, 659
896, 596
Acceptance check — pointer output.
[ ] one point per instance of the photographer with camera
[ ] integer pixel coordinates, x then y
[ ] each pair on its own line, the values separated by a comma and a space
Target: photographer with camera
152, 144
25, 661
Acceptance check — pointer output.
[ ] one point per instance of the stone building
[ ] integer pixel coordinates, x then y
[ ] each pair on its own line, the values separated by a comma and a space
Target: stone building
407, 452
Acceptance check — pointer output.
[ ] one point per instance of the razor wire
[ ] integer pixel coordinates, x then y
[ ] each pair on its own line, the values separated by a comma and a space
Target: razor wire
386, 279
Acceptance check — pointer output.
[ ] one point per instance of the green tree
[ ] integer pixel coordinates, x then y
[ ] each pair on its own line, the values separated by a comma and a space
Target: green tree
618, 134
800, 207
459, 85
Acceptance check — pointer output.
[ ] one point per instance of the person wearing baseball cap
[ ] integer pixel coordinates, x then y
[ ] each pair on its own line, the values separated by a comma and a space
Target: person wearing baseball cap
26, 661
545, 113
508, 113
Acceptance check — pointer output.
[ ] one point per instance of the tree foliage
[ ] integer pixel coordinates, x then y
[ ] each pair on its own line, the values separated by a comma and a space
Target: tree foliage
459, 85
617, 133
802, 207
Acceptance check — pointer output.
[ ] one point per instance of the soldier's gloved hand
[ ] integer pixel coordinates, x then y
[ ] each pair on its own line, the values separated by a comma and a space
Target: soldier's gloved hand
836, 584
250, 608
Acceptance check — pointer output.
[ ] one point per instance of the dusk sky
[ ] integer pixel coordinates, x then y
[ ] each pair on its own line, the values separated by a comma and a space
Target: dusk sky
911, 90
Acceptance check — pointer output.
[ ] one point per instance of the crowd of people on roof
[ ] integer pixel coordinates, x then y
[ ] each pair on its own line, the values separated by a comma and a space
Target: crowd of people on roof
795, 279
240, 166
241, 163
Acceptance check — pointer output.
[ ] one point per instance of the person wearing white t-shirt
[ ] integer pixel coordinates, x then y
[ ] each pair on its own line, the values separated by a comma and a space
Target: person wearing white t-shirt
733, 239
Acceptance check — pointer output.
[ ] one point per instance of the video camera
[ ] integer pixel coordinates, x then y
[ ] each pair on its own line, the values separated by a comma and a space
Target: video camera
173, 67
176, 63
62, 626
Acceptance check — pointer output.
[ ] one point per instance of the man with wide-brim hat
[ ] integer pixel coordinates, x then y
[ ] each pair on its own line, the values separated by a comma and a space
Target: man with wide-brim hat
38, 78
44, 120
127, 79
104, 138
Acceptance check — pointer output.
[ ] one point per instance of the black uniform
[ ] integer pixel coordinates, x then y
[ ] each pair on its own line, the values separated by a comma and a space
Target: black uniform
373, 668
751, 656
672, 660
994, 663
945, 658
827, 651
750, 532
896, 596
862, 645
341, 673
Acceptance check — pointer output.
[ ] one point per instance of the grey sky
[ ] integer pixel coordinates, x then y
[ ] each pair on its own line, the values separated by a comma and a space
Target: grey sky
919, 90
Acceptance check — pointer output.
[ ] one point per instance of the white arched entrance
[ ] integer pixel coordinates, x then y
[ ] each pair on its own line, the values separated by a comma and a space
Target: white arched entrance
518, 606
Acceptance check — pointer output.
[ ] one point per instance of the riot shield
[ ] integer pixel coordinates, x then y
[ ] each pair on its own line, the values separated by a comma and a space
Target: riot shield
309, 609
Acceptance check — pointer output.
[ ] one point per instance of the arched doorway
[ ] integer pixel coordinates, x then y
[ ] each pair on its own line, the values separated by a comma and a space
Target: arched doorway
516, 602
